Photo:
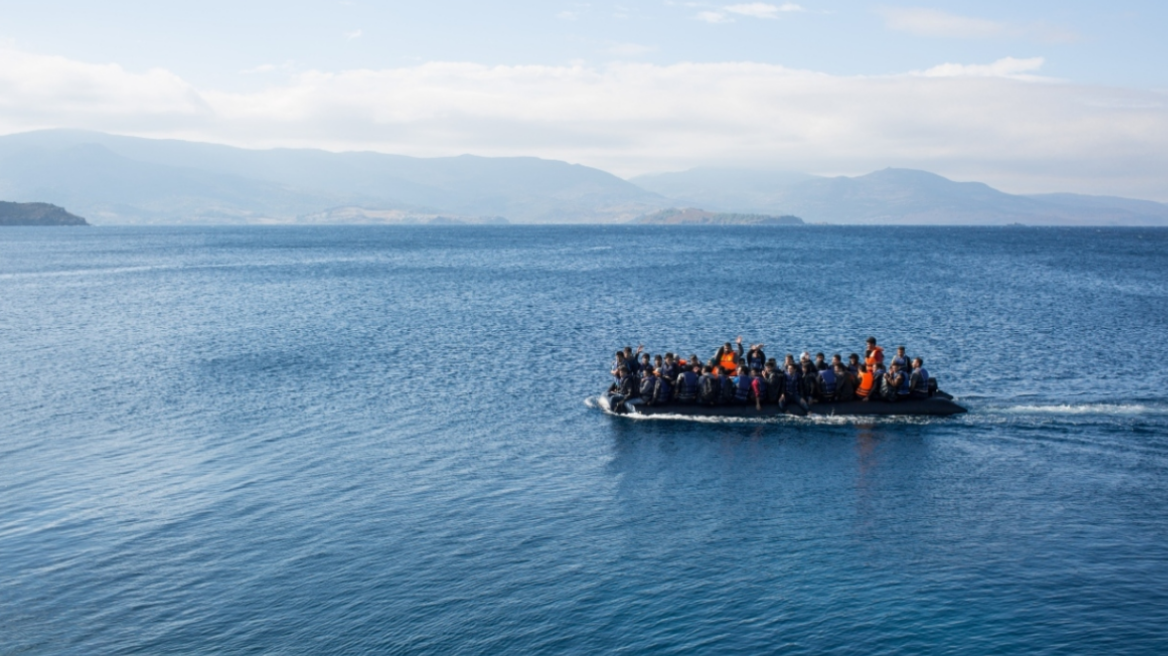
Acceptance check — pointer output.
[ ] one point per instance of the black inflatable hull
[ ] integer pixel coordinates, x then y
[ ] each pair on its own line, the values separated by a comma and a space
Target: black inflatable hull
939, 405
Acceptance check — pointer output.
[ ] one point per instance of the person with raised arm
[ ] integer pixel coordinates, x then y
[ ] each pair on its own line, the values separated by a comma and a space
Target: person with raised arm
755, 357
727, 358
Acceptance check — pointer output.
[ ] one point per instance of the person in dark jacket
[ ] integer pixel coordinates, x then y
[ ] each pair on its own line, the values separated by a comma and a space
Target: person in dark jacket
664, 390
809, 383
845, 384
710, 387
669, 369
774, 380
820, 362
792, 394
687, 385
854, 364
742, 386
649, 387
755, 357
890, 383
728, 388
625, 388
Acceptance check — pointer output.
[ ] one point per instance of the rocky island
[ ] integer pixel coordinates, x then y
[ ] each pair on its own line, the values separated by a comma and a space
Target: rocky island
695, 216
37, 214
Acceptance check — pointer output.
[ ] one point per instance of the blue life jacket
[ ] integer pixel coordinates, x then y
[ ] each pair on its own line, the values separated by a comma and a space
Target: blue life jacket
791, 382
922, 380
828, 378
664, 390
742, 387
756, 362
903, 389
669, 371
648, 387
687, 386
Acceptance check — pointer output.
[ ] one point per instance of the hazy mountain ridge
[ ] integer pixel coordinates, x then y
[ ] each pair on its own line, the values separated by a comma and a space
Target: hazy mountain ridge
903, 196
116, 179
119, 179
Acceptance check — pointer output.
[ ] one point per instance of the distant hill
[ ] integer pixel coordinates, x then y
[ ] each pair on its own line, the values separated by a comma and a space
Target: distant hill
37, 214
900, 196
694, 216
115, 179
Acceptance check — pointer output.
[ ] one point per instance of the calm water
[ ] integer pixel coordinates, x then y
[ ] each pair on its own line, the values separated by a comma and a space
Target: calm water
348, 440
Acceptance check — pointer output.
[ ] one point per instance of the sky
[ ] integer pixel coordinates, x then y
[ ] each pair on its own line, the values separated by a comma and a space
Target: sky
1032, 97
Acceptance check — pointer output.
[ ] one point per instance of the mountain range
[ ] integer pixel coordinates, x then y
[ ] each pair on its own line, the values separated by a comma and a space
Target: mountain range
112, 179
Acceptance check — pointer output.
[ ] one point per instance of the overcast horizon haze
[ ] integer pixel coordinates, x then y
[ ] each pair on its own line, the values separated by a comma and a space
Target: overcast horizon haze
1034, 98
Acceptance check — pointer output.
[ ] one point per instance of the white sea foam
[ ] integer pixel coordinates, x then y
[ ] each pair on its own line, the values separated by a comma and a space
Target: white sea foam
1088, 409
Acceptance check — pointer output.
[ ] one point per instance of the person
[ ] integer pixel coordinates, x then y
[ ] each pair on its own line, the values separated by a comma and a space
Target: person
664, 389
791, 392
758, 388
820, 362
835, 359
867, 380
918, 382
809, 382
710, 387
729, 389
903, 391
854, 365
890, 382
774, 381
845, 383
873, 354
625, 387
827, 384
788, 361
669, 369
617, 365
727, 358
755, 358
631, 359
901, 359
649, 387
805, 359
687, 385
742, 386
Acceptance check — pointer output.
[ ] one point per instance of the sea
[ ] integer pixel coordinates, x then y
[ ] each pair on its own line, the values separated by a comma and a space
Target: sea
385, 439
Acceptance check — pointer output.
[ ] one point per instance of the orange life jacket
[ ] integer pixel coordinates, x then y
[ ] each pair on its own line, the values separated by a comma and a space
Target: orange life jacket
875, 356
867, 380
729, 361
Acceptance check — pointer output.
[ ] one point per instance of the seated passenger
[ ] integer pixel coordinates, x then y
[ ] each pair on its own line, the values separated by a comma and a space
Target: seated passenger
788, 361
820, 362
669, 369
809, 384
835, 359
755, 358
624, 390
742, 386
827, 385
890, 383
687, 385
729, 389
792, 394
664, 390
845, 383
774, 381
918, 381
631, 359
854, 364
805, 359
758, 388
873, 354
710, 387
903, 391
901, 359
649, 387
617, 365
867, 383
727, 358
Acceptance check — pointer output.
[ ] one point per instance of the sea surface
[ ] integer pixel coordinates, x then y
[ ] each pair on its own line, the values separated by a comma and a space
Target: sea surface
334, 440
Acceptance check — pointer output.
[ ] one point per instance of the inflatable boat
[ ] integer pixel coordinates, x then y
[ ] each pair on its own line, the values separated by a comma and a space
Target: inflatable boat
940, 404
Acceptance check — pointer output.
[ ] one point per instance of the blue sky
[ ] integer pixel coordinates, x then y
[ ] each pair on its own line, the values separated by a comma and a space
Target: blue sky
1036, 96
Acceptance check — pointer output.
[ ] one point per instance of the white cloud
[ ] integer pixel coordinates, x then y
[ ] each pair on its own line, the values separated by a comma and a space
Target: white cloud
933, 22
1006, 67
762, 9
992, 122
355, 34
713, 17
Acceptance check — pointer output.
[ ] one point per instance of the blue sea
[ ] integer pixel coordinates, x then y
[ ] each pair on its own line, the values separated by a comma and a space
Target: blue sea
346, 440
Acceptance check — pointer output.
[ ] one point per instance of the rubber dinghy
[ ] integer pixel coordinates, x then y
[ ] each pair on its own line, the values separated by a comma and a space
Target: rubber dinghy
938, 405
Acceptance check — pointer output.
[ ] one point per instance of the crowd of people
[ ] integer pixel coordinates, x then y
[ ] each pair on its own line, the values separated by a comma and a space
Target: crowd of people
735, 376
